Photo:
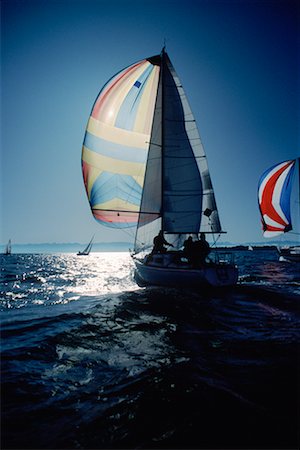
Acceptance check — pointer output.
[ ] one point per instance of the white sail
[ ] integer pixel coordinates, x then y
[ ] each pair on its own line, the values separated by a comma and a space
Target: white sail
8, 248
87, 249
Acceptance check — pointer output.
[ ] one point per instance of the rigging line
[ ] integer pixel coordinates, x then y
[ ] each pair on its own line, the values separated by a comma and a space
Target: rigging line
185, 138
153, 143
124, 230
194, 232
217, 238
185, 157
180, 121
192, 194
211, 227
132, 193
129, 233
143, 243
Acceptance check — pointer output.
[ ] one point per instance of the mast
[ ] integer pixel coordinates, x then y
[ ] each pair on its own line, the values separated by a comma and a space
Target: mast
297, 183
163, 58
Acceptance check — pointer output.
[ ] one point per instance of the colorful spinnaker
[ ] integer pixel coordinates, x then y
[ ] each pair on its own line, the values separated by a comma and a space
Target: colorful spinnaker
116, 144
274, 194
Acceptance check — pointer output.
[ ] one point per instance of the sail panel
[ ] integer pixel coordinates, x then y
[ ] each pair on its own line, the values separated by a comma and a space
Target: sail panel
110, 186
115, 219
148, 227
113, 165
118, 102
117, 135
116, 144
274, 193
113, 150
188, 191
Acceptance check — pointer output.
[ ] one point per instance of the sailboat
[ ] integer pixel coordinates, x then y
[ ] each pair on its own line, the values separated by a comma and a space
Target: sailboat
274, 197
144, 165
8, 248
87, 249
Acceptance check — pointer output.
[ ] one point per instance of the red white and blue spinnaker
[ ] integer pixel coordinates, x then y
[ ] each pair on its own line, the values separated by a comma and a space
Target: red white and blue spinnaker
274, 194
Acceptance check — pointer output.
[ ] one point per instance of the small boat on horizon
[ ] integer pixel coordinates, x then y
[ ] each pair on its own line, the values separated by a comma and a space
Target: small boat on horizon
275, 189
8, 248
144, 165
87, 249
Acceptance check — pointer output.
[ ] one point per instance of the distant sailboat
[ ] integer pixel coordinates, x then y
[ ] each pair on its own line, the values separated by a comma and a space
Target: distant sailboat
87, 249
144, 165
274, 197
8, 248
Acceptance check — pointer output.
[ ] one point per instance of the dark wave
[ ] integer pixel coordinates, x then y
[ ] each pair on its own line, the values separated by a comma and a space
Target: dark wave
152, 368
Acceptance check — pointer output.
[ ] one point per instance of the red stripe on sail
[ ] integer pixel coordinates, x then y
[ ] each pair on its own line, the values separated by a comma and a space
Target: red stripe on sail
271, 227
104, 94
266, 205
115, 217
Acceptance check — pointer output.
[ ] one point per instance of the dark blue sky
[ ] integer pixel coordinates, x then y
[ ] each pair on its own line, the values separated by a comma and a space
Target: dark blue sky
238, 62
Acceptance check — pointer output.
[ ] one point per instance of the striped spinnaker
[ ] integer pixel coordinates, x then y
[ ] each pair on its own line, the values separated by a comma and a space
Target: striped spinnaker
116, 142
274, 193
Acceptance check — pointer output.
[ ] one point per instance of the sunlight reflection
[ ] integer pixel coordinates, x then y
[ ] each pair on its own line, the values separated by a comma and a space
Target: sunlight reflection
99, 273
62, 278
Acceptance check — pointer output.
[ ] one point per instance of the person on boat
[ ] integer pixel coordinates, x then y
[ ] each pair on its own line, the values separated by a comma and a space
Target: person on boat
200, 251
159, 243
188, 246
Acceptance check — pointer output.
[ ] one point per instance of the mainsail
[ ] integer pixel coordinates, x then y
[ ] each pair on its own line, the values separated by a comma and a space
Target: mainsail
178, 196
274, 195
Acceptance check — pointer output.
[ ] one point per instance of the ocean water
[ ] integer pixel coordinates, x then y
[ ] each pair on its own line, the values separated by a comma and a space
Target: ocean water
91, 361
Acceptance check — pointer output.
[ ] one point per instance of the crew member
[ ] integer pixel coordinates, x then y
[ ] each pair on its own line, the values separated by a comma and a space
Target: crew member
159, 243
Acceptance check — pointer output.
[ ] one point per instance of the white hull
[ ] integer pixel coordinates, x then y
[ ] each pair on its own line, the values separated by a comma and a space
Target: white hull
180, 275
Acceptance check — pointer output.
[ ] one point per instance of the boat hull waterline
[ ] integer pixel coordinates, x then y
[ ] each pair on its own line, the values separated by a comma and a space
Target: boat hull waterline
210, 275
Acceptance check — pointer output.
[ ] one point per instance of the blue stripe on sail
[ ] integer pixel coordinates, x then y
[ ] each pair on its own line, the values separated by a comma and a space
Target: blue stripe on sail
286, 194
113, 150
127, 113
109, 186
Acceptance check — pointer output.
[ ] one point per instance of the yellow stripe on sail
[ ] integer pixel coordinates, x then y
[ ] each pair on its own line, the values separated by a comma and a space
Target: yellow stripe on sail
118, 135
93, 175
114, 165
117, 204
145, 111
